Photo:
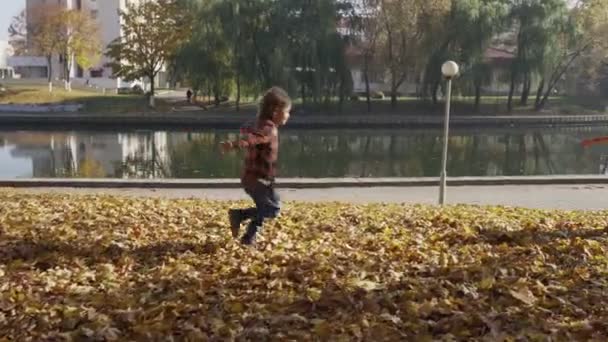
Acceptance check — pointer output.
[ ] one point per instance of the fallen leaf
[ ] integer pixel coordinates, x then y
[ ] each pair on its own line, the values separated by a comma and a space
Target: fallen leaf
524, 295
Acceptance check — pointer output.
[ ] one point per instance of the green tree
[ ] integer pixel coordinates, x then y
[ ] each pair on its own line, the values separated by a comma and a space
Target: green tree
592, 68
44, 37
78, 41
405, 36
153, 31
579, 34
538, 25
207, 57
368, 35
481, 21
17, 33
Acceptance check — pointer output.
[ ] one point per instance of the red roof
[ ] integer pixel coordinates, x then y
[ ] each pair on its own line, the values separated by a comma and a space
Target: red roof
496, 53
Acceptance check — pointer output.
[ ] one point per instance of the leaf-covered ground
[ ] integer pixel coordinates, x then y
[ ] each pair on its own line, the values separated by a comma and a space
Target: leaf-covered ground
108, 268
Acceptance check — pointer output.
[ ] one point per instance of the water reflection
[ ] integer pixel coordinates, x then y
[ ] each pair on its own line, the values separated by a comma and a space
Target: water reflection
339, 153
90, 154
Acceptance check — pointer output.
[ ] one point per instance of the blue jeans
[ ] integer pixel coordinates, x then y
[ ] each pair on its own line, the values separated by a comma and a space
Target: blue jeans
267, 205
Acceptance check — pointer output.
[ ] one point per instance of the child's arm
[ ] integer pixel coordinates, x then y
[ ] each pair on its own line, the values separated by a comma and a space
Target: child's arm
253, 138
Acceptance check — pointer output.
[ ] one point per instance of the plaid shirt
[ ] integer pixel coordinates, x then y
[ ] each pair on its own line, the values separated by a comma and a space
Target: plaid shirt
262, 144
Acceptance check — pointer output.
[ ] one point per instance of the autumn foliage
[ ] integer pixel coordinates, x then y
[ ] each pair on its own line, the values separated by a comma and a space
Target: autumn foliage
106, 268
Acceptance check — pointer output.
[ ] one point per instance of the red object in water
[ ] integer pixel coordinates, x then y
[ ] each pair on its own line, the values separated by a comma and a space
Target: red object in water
589, 142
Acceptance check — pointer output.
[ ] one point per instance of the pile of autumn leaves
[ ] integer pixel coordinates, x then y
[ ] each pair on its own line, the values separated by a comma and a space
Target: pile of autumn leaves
107, 268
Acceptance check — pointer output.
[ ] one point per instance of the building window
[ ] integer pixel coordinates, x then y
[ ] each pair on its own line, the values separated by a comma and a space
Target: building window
94, 14
96, 73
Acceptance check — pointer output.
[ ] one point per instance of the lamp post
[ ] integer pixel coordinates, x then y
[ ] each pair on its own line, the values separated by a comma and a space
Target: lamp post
449, 70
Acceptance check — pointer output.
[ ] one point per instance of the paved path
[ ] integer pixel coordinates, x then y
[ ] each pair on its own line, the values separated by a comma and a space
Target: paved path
580, 197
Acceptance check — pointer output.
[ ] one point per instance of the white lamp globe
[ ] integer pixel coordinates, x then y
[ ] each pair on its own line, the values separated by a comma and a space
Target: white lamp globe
449, 69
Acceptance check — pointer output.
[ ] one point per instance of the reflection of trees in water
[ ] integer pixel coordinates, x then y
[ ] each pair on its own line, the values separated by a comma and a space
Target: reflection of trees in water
199, 157
308, 154
410, 154
387, 154
418, 155
147, 161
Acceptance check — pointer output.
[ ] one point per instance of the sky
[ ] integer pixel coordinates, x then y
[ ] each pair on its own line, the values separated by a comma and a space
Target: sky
8, 9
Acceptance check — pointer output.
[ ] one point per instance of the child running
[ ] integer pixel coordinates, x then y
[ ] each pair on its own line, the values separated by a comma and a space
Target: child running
262, 144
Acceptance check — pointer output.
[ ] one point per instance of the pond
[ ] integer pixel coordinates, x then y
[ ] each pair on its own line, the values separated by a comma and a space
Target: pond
303, 153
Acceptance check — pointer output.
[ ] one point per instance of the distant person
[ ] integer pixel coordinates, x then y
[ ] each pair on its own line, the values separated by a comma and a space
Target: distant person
189, 95
258, 177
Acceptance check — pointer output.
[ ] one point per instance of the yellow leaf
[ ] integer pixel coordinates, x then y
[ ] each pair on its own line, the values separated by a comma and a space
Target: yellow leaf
524, 295
236, 308
314, 294
367, 285
487, 282
322, 329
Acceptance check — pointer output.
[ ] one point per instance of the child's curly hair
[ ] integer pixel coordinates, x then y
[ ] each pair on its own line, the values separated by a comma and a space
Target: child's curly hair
274, 98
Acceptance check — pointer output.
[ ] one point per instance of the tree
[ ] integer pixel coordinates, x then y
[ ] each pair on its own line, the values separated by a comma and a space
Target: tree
442, 44
369, 29
406, 25
480, 21
315, 49
44, 36
577, 36
152, 33
233, 27
69, 33
592, 68
17, 33
78, 41
538, 26
207, 56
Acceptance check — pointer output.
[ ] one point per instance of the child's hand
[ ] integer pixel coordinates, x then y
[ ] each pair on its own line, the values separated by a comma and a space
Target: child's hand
225, 146
243, 144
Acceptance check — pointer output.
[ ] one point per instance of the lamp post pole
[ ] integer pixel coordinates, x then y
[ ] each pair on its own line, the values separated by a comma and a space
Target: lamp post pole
449, 70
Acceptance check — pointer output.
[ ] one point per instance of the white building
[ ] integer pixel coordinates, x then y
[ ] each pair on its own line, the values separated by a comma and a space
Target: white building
29, 66
106, 13
5, 51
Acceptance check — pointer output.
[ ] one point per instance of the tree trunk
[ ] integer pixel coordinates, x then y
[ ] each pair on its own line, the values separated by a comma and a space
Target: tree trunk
68, 62
543, 101
525, 93
557, 75
238, 91
49, 62
237, 57
216, 96
367, 90
434, 91
393, 93
152, 77
477, 97
539, 92
392, 67
511, 93
341, 91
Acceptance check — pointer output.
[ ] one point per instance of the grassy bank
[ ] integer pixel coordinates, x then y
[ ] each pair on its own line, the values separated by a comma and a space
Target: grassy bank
93, 101
97, 102
112, 268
